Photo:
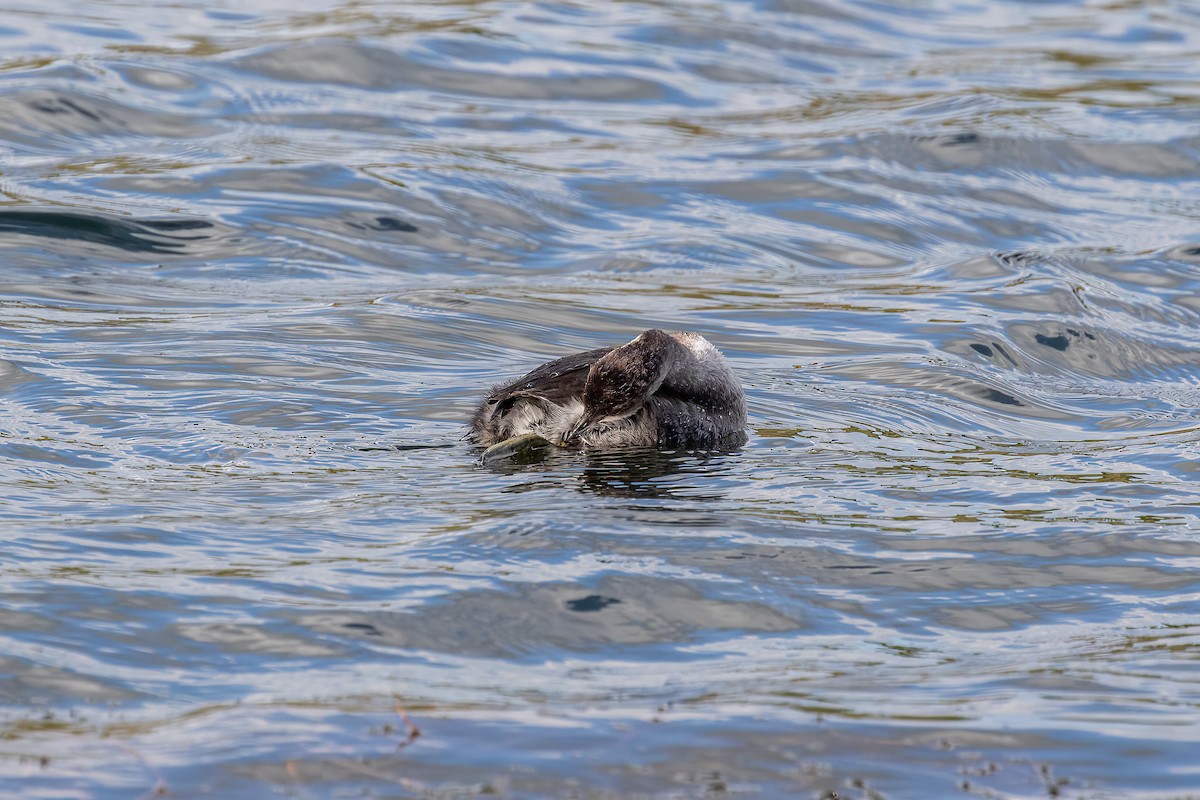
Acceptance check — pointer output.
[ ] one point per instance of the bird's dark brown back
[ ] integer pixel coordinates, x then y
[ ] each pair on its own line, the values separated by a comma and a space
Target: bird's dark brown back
558, 381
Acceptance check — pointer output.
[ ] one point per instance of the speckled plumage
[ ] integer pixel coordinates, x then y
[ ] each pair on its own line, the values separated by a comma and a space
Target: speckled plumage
659, 390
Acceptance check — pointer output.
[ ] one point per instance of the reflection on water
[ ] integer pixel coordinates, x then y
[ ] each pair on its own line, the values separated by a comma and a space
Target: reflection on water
145, 236
260, 263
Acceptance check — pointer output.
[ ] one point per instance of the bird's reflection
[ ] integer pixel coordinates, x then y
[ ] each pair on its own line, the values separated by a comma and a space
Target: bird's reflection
643, 472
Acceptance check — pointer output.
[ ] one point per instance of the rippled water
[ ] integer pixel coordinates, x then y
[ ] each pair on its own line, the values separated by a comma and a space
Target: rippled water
258, 264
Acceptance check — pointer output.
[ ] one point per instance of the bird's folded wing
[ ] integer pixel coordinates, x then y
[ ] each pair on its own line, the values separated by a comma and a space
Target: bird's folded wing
557, 381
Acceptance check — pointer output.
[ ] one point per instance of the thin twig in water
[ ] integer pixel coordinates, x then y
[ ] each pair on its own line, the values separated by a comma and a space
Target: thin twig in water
409, 726
159, 789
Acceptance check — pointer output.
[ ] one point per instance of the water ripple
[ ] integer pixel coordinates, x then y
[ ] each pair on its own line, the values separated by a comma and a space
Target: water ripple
261, 263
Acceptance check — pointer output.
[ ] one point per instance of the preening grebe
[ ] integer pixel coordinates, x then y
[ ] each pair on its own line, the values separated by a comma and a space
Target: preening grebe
660, 390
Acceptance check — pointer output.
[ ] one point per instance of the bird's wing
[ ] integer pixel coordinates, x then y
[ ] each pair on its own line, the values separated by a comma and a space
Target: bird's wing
557, 381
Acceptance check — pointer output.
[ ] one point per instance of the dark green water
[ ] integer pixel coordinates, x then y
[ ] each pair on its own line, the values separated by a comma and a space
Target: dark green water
258, 261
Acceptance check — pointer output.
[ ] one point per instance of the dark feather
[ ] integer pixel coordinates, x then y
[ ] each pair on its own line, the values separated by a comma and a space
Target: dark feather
557, 381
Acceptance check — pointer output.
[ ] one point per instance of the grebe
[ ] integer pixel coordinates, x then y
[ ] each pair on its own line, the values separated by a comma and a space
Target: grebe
672, 390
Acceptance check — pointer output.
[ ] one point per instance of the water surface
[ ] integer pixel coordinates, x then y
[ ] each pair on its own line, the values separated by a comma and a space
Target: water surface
259, 263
